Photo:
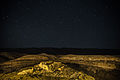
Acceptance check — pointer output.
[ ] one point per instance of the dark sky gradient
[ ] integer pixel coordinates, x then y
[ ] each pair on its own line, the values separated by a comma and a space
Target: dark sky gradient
59, 23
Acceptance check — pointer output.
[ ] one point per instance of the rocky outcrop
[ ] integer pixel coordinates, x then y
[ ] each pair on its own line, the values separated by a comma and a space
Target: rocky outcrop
56, 69
29, 71
21, 62
61, 67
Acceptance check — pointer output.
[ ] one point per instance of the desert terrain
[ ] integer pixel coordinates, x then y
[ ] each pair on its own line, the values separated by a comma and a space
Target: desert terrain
41, 65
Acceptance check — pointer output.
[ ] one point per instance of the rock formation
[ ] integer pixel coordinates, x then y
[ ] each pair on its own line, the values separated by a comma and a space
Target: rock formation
56, 69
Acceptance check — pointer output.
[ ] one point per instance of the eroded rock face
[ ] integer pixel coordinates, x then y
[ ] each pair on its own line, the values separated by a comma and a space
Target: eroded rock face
51, 66
26, 72
56, 69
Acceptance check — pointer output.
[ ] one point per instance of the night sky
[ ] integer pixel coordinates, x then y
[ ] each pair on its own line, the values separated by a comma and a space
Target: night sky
59, 23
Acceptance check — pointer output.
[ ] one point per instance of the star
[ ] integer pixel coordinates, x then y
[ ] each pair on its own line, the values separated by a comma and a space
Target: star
94, 15
79, 19
27, 8
106, 7
61, 22
3, 18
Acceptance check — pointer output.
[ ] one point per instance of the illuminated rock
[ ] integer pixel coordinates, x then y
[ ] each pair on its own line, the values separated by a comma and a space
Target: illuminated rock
28, 71
56, 69
50, 66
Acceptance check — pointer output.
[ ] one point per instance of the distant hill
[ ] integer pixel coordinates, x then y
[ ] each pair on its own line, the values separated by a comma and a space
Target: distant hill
91, 51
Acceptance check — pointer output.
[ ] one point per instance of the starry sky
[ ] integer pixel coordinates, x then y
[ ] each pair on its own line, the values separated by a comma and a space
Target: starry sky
59, 23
